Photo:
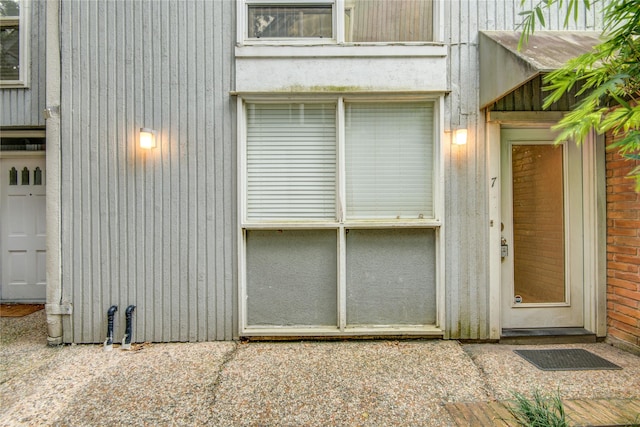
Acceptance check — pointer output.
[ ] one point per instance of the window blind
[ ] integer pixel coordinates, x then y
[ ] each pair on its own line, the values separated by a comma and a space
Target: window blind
291, 161
389, 160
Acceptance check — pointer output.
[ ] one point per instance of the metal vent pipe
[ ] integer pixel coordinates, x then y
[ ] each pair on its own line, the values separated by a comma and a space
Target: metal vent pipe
108, 343
126, 341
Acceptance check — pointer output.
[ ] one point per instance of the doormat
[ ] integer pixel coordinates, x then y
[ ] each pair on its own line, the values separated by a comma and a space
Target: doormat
574, 359
19, 310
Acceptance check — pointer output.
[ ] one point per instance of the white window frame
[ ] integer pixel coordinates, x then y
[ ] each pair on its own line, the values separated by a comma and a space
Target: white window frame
243, 16
338, 7
341, 224
22, 21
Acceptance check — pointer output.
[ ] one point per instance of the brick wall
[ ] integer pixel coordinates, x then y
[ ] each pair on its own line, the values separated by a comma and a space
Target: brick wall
623, 252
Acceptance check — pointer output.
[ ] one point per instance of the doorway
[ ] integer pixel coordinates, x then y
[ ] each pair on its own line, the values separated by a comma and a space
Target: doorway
22, 228
542, 242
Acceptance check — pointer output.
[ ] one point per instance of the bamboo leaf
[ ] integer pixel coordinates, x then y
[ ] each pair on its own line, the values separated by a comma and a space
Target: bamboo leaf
540, 16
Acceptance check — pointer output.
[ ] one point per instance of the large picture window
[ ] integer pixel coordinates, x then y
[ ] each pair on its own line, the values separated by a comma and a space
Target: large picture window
339, 216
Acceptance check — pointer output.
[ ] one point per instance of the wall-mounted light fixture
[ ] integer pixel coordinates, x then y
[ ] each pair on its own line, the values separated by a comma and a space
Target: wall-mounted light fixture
459, 137
147, 138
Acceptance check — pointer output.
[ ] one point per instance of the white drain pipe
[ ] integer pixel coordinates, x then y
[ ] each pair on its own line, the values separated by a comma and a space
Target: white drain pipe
56, 306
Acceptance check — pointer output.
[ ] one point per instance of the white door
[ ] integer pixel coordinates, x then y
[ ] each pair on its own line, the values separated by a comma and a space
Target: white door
22, 224
542, 256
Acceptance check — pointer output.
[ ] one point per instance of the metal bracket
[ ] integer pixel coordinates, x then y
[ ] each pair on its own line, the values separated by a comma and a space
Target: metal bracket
63, 309
50, 111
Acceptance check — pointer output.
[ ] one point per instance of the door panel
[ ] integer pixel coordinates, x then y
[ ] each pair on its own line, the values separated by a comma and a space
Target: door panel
538, 223
22, 228
542, 268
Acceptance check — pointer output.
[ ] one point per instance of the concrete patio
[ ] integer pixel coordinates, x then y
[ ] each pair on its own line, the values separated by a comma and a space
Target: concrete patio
411, 382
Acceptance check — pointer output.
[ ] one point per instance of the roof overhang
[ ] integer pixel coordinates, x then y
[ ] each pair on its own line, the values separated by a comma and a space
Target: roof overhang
503, 68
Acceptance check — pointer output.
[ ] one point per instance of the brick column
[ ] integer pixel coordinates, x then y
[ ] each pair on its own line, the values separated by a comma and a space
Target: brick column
623, 251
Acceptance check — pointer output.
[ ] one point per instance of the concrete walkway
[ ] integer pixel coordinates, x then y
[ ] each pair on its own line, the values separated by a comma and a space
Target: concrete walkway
348, 383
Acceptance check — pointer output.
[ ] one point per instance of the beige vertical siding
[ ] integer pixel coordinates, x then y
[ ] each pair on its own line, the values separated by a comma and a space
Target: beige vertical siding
466, 179
530, 97
23, 106
151, 228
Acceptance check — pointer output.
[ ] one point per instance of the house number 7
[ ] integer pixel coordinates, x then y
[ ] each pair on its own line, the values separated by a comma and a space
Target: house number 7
493, 181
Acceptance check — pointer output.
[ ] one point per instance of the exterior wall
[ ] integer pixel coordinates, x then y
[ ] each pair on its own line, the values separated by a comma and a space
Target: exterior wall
340, 68
153, 228
23, 106
157, 228
623, 252
466, 173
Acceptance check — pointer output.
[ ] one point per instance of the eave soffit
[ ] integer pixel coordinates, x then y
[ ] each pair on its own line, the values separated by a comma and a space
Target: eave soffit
503, 68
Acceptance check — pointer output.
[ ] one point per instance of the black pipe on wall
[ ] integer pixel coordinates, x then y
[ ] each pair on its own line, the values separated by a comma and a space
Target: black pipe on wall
126, 341
108, 344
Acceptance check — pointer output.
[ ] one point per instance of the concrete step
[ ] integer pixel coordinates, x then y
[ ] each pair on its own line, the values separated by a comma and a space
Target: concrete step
523, 336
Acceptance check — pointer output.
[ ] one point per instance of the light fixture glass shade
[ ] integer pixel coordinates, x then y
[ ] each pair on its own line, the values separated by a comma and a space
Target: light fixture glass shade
460, 136
147, 138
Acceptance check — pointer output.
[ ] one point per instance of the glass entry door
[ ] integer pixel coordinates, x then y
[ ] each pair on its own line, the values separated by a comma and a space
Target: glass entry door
542, 245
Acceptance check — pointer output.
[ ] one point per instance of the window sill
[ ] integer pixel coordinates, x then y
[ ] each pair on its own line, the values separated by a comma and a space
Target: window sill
276, 50
13, 84
365, 224
349, 331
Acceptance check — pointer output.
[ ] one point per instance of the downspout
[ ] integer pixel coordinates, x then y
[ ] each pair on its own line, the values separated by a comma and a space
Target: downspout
55, 307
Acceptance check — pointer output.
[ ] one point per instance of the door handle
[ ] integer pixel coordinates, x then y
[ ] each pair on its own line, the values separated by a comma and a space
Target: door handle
504, 248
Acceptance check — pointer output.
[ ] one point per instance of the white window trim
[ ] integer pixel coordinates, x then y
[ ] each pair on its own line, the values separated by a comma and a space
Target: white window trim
242, 38
24, 76
341, 224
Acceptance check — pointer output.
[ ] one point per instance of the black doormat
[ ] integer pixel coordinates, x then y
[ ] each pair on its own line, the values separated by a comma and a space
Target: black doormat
574, 359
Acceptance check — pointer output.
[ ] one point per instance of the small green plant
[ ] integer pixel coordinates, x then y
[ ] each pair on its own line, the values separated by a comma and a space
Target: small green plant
538, 411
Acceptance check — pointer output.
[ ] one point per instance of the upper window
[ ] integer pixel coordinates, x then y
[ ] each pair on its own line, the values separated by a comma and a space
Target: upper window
351, 21
290, 21
13, 49
388, 21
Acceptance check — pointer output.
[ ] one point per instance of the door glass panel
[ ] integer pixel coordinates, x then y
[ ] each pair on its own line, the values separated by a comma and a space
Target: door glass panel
25, 176
538, 224
13, 176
